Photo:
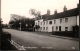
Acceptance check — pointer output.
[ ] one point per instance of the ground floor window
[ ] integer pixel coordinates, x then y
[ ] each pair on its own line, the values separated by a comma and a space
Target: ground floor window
43, 28
52, 28
66, 28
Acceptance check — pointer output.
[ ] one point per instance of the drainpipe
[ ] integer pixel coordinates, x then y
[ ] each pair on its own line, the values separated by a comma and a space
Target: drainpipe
79, 22
76, 20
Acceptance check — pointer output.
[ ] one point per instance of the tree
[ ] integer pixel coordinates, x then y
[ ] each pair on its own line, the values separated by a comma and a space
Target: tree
0, 25
17, 23
35, 12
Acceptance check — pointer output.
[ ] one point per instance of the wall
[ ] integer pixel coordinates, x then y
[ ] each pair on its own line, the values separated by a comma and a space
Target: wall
72, 21
78, 20
38, 22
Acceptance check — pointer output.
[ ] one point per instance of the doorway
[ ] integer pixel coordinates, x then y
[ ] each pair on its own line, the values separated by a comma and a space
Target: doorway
59, 28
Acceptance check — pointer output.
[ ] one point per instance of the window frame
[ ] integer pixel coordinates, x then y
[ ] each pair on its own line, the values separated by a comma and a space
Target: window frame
43, 28
66, 28
54, 21
44, 22
50, 22
60, 20
66, 19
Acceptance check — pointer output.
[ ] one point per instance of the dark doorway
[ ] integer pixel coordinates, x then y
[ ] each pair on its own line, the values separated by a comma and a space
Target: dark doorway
59, 28
52, 28
76, 31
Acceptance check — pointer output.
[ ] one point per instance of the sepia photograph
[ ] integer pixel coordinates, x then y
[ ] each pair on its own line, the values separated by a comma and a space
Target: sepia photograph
39, 25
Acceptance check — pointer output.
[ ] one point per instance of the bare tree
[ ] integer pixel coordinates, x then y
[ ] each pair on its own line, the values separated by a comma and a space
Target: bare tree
38, 13
32, 12
35, 12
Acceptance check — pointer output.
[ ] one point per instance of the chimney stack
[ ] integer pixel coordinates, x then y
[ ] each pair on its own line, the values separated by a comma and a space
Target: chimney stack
48, 12
55, 12
65, 9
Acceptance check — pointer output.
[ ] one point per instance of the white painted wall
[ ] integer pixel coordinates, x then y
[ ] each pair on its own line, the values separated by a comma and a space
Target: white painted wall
72, 21
38, 23
78, 20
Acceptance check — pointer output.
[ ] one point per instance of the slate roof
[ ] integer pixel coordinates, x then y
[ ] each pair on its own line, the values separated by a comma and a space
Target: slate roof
37, 18
68, 13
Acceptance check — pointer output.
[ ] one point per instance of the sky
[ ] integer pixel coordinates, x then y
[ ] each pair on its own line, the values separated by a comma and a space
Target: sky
22, 7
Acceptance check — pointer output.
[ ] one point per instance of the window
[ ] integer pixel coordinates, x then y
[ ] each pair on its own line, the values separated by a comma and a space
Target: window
44, 23
59, 28
54, 21
66, 19
36, 23
66, 28
41, 23
60, 20
52, 28
50, 22
56, 27
43, 28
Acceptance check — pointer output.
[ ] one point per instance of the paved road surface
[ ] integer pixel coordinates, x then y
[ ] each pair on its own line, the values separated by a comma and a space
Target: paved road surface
31, 39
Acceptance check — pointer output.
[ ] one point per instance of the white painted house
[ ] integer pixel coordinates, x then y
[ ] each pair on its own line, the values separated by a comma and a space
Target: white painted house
63, 21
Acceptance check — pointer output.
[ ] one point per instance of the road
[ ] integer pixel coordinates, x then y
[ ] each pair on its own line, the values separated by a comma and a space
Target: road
31, 39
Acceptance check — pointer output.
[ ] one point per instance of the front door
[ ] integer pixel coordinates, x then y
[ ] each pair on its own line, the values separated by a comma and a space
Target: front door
52, 28
59, 28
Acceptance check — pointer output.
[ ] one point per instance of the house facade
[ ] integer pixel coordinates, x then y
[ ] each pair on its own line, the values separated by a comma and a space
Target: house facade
63, 21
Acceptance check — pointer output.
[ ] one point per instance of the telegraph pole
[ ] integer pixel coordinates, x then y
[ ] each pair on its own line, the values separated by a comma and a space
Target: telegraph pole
0, 18
20, 24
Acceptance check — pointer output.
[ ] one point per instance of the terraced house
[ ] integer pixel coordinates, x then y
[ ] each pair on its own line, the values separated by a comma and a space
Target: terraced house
63, 21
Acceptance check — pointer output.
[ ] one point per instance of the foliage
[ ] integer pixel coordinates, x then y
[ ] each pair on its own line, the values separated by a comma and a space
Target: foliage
35, 12
15, 22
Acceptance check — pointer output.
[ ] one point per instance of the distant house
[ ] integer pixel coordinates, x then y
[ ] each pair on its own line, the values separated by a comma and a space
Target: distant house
63, 21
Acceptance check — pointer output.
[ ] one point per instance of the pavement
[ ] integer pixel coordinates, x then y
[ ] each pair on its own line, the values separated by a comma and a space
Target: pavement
32, 40
5, 42
57, 36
